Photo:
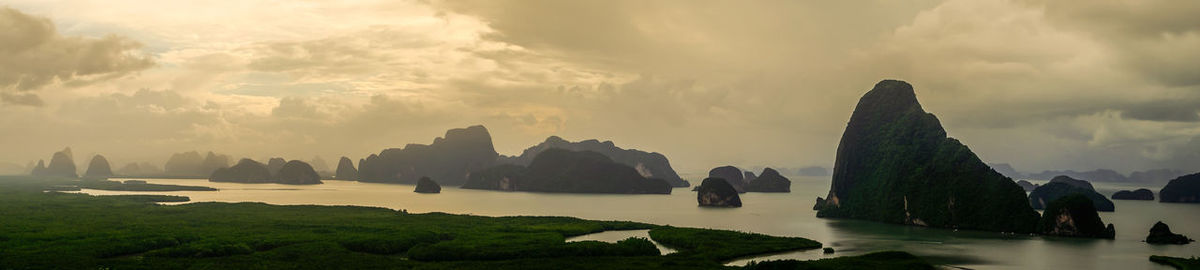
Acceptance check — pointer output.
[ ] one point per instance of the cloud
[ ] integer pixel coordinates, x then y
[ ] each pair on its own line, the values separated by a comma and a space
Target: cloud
33, 55
1156, 37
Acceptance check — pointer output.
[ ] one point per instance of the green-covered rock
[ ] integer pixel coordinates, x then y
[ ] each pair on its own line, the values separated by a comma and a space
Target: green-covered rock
895, 164
1074, 216
1054, 190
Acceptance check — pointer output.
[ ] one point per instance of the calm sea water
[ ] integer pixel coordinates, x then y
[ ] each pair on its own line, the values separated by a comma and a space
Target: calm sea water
787, 214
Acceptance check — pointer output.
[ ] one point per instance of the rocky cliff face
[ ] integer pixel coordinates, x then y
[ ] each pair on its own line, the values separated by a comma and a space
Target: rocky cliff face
1160, 234
449, 159
62, 164
895, 164
98, 167
297, 172
1185, 189
1074, 216
566, 171
1141, 194
275, 164
194, 165
346, 170
40, 169
1052, 191
139, 169
504, 177
650, 165
731, 174
245, 171
769, 181
426, 185
717, 192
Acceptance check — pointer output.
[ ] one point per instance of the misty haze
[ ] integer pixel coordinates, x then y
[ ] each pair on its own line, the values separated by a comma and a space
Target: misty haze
533, 134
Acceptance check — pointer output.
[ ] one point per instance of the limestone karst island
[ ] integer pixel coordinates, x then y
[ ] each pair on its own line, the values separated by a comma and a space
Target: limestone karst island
620, 134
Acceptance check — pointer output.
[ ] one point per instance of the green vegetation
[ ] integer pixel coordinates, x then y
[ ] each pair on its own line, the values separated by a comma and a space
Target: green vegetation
136, 186
725, 245
1179, 263
879, 260
42, 230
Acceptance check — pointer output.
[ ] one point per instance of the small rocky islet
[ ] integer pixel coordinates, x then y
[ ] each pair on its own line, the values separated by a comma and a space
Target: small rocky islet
717, 192
1160, 234
1140, 194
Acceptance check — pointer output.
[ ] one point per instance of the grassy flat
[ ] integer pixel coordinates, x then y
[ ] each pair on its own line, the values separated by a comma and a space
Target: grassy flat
1179, 263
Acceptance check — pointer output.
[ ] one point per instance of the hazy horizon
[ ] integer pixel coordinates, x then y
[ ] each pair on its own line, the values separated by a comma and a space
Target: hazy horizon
1041, 85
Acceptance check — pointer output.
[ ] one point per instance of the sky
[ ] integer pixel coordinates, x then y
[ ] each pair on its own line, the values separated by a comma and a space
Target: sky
1042, 85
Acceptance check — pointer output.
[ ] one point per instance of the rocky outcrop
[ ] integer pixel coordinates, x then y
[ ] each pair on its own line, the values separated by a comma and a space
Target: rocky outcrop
139, 169
1160, 234
769, 181
731, 174
1185, 189
566, 171
40, 169
1026, 185
191, 164
649, 164
297, 172
748, 176
1140, 194
1073, 182
62, 164
449, 159
245, 171
1074, 216
820, 203
895, 164
426, 185
98, 167
346, 170
717, 192
1055, 190
275, 164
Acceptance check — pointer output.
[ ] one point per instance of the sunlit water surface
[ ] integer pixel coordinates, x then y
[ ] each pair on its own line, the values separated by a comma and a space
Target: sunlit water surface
785, 214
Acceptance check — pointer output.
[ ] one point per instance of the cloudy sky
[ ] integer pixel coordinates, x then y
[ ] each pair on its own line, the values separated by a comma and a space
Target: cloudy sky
1039, 84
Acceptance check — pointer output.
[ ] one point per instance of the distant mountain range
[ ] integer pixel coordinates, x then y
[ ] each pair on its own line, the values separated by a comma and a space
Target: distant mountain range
1098, 175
